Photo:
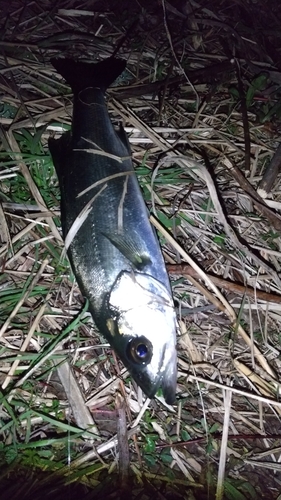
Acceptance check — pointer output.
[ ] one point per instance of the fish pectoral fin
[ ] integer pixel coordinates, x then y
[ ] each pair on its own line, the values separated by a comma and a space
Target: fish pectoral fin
59, 149
124, 138
57, 146
130, 248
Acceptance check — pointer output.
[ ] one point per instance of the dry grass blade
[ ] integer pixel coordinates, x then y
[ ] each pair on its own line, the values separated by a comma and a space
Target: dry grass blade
4, 232
81, 413
223, 450
124, 455
33, 188
22, 300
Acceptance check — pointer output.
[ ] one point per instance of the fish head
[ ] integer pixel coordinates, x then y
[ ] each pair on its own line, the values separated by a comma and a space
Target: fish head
142, 329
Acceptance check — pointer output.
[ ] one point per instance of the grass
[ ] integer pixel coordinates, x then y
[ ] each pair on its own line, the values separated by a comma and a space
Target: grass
64, 395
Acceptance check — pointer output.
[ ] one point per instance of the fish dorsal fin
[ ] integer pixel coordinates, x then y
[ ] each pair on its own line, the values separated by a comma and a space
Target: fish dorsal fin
130, 248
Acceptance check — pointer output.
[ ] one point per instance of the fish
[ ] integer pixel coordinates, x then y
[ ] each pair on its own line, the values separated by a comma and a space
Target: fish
113, 249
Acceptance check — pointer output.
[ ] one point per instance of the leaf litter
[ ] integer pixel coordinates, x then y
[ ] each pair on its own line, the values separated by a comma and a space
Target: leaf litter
200, 100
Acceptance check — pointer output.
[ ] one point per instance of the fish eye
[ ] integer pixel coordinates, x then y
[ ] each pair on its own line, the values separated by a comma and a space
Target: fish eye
140, 350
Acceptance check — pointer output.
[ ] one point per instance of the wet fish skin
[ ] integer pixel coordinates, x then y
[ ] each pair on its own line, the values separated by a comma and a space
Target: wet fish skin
115, 254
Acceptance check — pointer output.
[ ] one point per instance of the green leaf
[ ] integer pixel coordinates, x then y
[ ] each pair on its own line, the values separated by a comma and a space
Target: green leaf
214, 428
257, 84
274, 110
249, 490
167, 222
260, 82
11, 453
234, 93
166, 458
219, 240
185, 435
249, 96
150, 460
150, 444
232, 493
210, 446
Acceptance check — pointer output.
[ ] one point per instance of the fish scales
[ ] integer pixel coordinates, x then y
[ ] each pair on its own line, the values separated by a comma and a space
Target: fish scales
114, 251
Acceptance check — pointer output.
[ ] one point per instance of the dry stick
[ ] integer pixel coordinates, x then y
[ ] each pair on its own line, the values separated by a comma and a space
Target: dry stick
175, 55
235, 390
123, 444
18, 44
83, 215
115, 382
129, 115
237, 415
222, 25
80, 410
231, 437
18, 93
259, 384
30, 371
266, 465
70, 37
185, 270
177, 458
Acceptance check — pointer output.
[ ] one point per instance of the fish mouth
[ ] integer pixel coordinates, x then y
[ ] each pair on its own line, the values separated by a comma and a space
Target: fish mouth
169, 380
166, 378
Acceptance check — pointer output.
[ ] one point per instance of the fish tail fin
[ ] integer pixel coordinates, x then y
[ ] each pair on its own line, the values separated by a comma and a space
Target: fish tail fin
81, 75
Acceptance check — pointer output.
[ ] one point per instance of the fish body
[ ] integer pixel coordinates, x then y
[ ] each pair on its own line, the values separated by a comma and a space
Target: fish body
112, 247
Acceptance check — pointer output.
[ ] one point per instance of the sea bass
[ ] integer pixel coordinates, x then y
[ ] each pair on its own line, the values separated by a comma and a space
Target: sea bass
112, 247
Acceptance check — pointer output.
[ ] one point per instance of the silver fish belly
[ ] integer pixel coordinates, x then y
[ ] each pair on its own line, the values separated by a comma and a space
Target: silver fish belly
112, 247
